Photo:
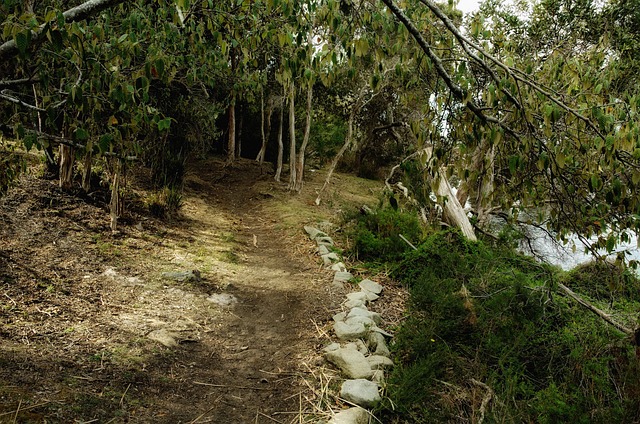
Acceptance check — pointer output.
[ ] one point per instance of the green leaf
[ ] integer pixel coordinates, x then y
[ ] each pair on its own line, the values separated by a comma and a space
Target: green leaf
81, 134
164, 124
22, 41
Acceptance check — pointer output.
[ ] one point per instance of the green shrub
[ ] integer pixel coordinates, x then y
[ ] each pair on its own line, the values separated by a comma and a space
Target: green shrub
376, 236
487, 314
604, 280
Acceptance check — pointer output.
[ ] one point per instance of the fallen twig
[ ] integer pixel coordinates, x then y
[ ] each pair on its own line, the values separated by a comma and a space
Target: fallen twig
225, 386
485, 400
24, 409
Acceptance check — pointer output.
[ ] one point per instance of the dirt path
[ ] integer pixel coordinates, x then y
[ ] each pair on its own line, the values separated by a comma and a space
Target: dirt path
79, 304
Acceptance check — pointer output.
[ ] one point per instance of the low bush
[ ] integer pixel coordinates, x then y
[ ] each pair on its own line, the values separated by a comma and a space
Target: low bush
485, 336
376, 236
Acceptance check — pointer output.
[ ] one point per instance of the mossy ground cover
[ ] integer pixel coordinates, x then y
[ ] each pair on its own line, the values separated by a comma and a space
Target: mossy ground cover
487, 337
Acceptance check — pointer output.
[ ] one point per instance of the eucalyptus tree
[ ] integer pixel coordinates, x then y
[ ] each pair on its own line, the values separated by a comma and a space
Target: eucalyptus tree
560, 140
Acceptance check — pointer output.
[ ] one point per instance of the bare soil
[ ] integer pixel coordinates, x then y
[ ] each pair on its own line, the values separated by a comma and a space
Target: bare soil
77, 303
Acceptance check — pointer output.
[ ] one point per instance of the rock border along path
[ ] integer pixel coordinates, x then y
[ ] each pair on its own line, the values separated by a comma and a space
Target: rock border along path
360, 353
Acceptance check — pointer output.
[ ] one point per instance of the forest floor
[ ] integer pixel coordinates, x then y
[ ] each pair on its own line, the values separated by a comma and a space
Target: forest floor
78, 303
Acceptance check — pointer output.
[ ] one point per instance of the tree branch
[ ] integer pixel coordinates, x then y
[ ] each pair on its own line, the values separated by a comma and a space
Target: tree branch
455, 89
566, 290
78, 13
11, 99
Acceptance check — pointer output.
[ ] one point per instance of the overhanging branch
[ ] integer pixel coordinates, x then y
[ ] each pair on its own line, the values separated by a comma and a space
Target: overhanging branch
78, 13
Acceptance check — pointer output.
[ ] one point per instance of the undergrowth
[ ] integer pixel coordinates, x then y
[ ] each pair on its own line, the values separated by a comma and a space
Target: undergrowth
487, 338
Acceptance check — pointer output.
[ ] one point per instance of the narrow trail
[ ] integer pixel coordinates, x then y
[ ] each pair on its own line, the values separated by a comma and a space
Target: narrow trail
260, 348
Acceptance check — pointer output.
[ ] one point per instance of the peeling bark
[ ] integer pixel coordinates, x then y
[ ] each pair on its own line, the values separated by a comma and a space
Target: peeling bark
67, 158
305, 140
292, 136
280, 146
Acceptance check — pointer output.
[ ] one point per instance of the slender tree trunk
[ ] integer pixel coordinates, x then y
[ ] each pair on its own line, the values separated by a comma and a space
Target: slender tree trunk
239, 134
266, 132
114, 205
86, 174
67, 158
292, 136
260, 156
453, 211
280, 145
231, 142
305, 140
336, 159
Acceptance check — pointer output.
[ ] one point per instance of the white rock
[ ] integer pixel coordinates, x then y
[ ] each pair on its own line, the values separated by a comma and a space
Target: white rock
314, 232
340, 316
378, 362
332, 347
351, 362
361, 392
378, 344
323, 250
223, 299
357, 296
370, 286
378, 377
330, 258
165, 337
359, 319
354, 415
324, 240
362, 312
339, 267
381, 331
354, 303
370, 295
340, 278
346, 331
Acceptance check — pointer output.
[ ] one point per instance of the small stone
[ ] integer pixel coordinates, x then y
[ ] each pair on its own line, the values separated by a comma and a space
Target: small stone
353, 415
163, 337
381, 331
332, 347
362, 312
339, 267
183, 276
359, 319
361, 296
379, 362
378, 377
355, 303
340, 316
361, 392
340, 278
370, 286
349, 331
351, 362
314, 232
370, 295
323, 250
330, 258
378, 344
326, 241
223, 299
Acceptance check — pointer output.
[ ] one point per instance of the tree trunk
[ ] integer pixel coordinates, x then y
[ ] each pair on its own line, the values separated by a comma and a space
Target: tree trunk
292, 136
115, 197
280, 145
305, 140
67, 157
86, 174
345, 146
231, 143
239, 134
265, 131
453, 211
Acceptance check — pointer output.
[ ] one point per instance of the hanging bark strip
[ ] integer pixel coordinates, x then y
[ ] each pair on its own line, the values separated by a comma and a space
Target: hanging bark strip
67, 158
